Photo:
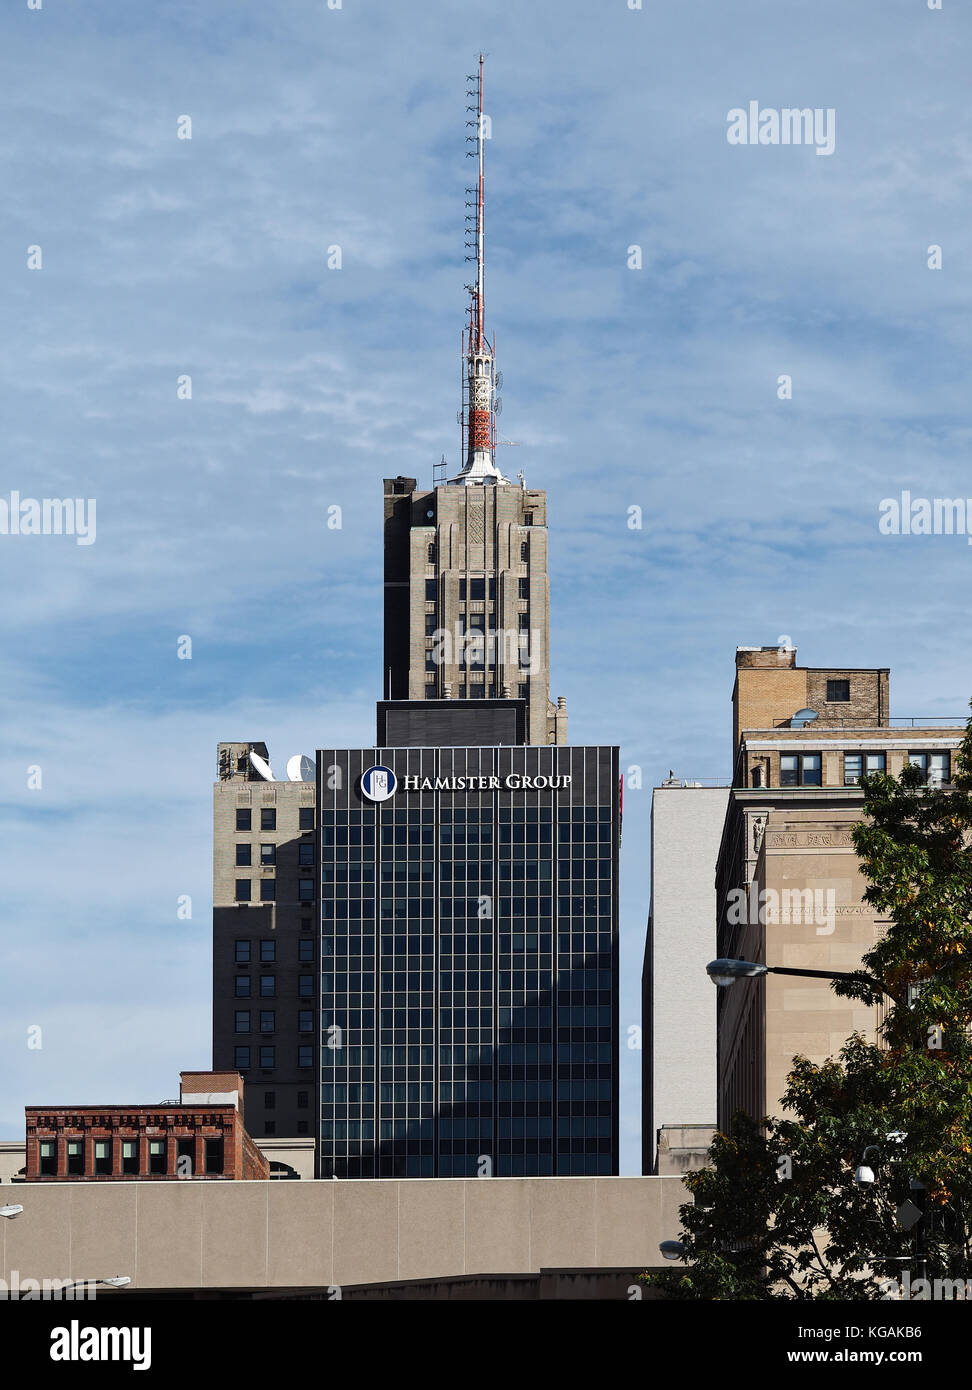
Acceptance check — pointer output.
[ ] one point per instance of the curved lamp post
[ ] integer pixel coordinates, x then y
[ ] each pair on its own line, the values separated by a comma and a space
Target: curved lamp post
725, 972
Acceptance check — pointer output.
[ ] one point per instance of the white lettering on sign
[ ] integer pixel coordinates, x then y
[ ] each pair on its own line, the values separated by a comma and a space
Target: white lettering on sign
513, 781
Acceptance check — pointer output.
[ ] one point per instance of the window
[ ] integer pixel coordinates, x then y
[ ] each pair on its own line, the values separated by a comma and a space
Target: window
431, 554
185, 1157
305, 950
305, 818
241, 1058
242, 986
524, 622
301, 1126
305, 1056
305, 854
47, 1152
243, 818
242, 952
214, 1156
431, 587
270, 1127
306, 986
799, 769
102, 1155
305, 923
267, 1058
477, 588
528, 519
305, 1021
268, 890
302, 1100
305, 890
936, 768
431, 624
524, 551
431, 660
874, 762
243, 856
838, 692
268, 818
853, 767
242, 1021
462, 588
268, 986
268, 854
242, 890
268, 1020
268, 950
523, 691
156, 1155
269, 1100
523, 588
75, 1156
129, 1155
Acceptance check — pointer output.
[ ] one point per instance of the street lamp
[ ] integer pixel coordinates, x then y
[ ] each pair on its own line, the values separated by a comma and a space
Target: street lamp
10, 1211
725, 972
672, 1249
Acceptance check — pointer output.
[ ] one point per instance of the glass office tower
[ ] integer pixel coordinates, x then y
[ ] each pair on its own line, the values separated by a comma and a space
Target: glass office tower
469, 961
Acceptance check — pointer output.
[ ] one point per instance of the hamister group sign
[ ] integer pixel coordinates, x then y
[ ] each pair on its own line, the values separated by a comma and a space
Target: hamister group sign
513, 781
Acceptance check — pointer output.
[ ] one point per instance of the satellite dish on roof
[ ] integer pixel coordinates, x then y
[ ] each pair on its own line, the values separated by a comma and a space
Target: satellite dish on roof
260, 765
301, 768
802, 718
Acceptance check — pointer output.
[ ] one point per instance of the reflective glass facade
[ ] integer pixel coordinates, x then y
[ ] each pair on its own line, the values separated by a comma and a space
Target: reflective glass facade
469, 962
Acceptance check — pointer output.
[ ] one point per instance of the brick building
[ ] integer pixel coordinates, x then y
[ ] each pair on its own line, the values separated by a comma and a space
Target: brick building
199, 1136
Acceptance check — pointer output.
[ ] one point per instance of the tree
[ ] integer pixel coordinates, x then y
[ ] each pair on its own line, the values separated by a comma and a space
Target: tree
778, 1214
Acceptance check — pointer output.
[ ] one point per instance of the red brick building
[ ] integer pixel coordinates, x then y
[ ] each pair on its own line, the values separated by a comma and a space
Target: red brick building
200, 1136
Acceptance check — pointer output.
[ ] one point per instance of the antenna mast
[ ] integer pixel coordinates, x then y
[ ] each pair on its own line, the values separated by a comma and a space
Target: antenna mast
479, 401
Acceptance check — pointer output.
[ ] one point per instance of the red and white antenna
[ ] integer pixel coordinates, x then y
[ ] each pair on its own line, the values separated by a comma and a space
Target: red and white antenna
479, 402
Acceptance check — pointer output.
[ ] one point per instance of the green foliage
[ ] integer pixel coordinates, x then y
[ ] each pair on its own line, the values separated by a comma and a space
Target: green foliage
778, 1213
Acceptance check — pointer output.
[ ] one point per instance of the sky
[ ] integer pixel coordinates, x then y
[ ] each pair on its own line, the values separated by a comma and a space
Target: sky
648, 282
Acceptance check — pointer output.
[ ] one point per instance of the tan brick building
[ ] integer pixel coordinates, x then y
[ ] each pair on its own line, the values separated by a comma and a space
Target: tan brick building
788, 886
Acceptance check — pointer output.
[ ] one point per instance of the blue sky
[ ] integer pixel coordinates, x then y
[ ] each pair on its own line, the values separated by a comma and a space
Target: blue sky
655, 388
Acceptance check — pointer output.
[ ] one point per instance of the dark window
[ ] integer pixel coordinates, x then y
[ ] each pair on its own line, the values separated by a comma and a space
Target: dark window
268, 818
477, 588
268, 854
242, 952
268, 890
242, 1021
462, 588
75, 1155
305, 854
185, 1156
305, 923
157, 1156
524, 551
528, 519
269, 1100
102, 1155
129, 1155
524, 622
305, 950
431, 587
301, 1126
302, 1100
47, 1152
243, 856
241, 1058
431, 660
800, 770
492, 588
243, 818
305, 1021
270, 1127
214, 1156
267, 1057
431, 554
242, 890
306, 986
431, 624
523, 588
268, 1021
305, 1056
305, 890
268, 986
853, 767
242, 986
305, 818
838, 692
523, 691
268, 950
